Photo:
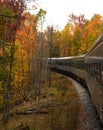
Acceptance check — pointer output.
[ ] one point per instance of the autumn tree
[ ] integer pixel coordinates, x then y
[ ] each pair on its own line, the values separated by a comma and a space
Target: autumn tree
53, 40
40, 18
10, 17
78, 23
66, 40
26, 42
78, 35
85, 32
93, 29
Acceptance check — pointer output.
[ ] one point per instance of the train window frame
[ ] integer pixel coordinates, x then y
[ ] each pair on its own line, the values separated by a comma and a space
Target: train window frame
96, 71
102, 73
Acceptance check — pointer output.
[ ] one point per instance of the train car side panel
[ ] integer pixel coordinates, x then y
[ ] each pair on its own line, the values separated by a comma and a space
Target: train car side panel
78, 66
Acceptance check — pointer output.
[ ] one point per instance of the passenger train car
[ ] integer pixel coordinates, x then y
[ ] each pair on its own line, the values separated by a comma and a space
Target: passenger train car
94, 74
87, 68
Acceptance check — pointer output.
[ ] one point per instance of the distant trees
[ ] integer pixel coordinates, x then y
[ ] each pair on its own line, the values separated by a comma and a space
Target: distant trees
93, 29
32, 48
78, 35
66, 39
25, 43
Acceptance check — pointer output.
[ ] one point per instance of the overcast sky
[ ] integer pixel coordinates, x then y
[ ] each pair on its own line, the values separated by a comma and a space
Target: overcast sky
59, 10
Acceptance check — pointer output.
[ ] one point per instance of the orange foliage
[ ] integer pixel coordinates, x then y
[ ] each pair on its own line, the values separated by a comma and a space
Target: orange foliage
26, 35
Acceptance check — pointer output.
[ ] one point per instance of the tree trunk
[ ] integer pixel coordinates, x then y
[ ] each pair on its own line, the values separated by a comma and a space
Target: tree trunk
5, 92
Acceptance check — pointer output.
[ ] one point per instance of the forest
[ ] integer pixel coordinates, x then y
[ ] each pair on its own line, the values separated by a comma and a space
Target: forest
24, 45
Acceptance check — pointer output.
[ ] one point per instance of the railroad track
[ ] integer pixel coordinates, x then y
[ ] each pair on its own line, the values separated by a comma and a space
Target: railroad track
90, 118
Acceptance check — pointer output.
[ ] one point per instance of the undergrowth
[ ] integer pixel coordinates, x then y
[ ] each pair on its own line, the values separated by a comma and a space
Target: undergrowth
62, 116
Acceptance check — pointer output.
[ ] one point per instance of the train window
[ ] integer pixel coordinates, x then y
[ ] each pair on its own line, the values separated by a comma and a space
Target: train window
102, 73
96, 70
93, 70
99, 72
78, 63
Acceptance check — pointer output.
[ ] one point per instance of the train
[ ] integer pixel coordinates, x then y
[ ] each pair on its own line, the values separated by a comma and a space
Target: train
88, 69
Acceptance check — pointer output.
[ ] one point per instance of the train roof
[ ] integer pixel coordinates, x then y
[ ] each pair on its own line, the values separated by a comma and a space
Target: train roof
59, 58
64, 58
